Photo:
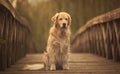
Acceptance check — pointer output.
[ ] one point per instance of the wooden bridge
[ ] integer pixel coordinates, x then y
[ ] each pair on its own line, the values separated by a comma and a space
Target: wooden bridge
96, 45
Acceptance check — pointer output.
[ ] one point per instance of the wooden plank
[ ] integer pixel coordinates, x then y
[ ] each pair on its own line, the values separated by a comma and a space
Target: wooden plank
59, 72
2, 17
8, 39
102, 41
108, 45
7, 6
99, 41
13, 42
4, 52
94, 40
12, 27
117, 40
79, 64
108, 36
118, 36
90, 40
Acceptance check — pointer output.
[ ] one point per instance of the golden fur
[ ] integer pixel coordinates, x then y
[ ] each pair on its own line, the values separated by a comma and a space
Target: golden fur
58, 45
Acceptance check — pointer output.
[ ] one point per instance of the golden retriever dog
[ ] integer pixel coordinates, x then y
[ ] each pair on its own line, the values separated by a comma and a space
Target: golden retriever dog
58, 46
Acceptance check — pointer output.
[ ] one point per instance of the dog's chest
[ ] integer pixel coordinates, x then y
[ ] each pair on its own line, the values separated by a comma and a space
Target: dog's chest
63, 46
63, 43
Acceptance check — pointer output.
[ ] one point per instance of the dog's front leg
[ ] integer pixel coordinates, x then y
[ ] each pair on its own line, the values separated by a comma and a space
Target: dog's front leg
65, 62
53, 67
52, 63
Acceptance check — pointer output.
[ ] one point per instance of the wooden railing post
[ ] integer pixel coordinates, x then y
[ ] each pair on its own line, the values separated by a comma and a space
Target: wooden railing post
14, 32
100, 36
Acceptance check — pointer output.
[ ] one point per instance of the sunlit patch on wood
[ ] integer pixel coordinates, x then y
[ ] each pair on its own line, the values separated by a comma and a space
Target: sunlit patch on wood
33, 67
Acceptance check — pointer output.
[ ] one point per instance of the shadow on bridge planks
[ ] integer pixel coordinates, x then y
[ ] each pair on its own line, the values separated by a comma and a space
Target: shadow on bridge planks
100, 36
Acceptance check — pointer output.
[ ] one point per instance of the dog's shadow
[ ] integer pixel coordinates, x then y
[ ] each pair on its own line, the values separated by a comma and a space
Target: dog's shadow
59, 67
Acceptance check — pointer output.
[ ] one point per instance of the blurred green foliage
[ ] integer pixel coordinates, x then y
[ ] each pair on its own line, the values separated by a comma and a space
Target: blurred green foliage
39, 14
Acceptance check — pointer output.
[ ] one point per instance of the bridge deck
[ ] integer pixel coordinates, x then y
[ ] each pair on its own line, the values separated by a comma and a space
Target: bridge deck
79, 64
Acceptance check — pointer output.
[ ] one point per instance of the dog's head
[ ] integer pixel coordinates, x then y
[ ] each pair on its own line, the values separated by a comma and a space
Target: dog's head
61, 20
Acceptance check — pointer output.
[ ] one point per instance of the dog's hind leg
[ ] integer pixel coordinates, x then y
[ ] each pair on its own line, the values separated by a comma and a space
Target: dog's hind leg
46, 60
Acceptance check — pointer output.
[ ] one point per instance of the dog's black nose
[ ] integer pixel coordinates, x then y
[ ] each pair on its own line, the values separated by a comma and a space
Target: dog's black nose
64, 24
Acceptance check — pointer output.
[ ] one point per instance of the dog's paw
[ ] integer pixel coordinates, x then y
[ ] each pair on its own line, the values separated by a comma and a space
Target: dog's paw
53, 67
66, 67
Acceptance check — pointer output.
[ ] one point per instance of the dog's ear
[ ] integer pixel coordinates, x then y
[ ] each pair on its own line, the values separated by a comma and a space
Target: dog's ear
54, 18
69, 19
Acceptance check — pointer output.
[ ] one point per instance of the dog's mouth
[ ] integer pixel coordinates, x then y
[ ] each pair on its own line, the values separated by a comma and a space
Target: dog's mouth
64, 26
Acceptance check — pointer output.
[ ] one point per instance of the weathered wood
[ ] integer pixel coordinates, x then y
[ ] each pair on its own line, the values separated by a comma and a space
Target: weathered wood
102, 41
112, 15
115, 43
109, 52
117, 30
109, 37
7, 5
79, 64
103, 36
99, 49
13, 38
4, 50
116, 27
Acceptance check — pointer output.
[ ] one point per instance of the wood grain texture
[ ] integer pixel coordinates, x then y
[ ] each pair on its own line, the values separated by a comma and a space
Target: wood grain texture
79, 64
101, 34
15, 35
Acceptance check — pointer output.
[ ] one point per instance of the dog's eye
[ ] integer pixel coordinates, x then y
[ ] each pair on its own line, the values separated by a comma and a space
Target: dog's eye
60, 19
66, 19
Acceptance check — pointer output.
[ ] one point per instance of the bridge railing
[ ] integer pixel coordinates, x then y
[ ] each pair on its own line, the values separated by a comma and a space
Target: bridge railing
100, 36
15, 35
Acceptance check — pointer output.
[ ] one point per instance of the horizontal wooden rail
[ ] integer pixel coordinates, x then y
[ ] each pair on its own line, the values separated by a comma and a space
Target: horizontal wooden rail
100, 36
15, 35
